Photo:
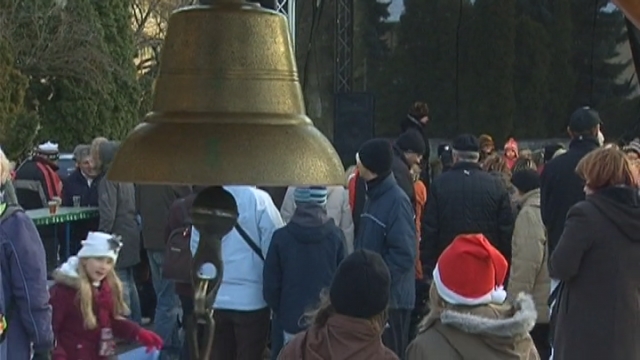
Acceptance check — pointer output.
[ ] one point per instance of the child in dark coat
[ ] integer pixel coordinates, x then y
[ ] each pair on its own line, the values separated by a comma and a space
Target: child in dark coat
302, 259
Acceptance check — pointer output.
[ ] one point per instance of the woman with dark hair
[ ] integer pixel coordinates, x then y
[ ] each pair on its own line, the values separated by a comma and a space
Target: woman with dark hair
597, 260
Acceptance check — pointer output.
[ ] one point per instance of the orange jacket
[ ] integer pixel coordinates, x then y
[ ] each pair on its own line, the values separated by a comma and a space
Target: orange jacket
421, 199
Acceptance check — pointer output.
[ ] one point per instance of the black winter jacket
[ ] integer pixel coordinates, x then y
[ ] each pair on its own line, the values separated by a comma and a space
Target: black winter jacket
465, 199
411, 124
561, 187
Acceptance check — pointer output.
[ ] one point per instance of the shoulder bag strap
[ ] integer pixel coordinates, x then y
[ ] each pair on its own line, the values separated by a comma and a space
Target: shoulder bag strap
249, 242
186, 218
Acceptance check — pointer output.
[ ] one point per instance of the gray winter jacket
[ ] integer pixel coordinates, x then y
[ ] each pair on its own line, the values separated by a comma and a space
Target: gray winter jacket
117, 207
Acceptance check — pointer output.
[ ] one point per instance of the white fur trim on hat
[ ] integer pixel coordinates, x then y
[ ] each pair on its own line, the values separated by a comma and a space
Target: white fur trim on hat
48, 147
70, 267
99, 244
496, 296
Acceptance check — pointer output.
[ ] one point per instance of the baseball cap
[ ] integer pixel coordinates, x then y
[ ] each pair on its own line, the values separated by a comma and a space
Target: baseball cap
584, 119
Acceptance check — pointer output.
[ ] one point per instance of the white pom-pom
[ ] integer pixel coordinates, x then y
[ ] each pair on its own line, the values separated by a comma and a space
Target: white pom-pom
498, 296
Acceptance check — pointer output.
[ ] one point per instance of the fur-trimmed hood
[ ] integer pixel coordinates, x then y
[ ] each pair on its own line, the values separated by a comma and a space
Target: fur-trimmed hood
476, 320
67, 273
497, 332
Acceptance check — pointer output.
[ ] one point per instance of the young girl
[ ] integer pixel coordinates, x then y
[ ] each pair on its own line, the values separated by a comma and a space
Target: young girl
88, 307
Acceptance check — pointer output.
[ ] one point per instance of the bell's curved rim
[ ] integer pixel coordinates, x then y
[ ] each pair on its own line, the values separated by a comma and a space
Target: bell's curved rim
223, 118
229, 154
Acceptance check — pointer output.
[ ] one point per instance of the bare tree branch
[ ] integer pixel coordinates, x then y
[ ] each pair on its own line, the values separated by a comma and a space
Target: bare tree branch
149, 20
53, 41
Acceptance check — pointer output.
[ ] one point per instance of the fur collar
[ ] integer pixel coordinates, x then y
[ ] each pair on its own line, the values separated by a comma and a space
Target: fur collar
67, 274
521, 322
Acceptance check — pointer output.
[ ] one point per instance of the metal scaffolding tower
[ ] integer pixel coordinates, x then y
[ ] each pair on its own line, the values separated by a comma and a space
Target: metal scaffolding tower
288, 9
344, 46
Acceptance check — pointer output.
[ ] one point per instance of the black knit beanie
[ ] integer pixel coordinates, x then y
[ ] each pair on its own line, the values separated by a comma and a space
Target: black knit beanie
526, 180
376, 155
466, 142
361, 285
411, 141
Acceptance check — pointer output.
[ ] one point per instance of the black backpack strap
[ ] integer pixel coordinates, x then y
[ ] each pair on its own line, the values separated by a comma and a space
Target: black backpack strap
186, 217
249, 242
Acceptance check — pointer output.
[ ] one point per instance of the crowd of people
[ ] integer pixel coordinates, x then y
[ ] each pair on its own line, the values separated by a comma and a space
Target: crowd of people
477, 254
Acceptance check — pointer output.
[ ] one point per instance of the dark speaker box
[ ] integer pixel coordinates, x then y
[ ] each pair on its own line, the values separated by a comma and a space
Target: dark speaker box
353, 123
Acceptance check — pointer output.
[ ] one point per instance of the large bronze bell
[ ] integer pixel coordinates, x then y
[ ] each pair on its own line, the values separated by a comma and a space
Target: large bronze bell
228, 107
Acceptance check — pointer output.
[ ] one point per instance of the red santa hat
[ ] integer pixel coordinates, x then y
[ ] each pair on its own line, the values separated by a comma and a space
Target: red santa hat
471, 271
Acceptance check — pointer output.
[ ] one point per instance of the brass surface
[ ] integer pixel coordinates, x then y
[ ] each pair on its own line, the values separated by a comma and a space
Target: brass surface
228, 107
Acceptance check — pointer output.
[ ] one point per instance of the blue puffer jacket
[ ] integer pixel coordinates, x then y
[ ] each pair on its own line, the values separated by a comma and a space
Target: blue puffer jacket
24, 284
387, 226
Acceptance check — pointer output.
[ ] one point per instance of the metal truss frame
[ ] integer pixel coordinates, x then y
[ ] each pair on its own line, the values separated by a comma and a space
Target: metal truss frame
344, 46
288, 9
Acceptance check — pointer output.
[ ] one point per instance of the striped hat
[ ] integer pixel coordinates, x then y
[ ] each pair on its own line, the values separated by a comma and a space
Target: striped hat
311, 194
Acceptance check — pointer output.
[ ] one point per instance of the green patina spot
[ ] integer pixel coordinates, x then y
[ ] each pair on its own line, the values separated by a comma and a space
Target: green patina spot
212, 152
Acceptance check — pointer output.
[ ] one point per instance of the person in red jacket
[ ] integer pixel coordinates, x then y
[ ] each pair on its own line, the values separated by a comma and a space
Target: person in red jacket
88, 307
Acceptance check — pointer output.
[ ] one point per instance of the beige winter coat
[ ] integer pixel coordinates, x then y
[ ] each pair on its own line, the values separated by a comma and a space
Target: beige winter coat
337, 208
486, 332
529, 273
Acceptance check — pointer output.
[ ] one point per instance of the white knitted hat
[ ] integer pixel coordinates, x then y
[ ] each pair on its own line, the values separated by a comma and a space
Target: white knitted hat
99, 244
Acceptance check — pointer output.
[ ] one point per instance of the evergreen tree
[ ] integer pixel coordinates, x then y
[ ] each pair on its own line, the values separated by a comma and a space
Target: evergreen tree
74, 110
492, 55
17, 125
372, 36
561, 77
375, 27
598, 36
403, 73
115, 19
531, 78
431, 39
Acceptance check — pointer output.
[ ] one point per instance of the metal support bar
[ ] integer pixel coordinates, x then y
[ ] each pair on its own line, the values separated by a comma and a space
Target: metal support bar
288, 9
344, 46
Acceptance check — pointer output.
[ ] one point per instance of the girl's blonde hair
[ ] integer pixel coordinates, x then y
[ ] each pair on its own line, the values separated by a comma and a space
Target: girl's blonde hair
321, 314
85, 296
5, 168
606, 167
437, 305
